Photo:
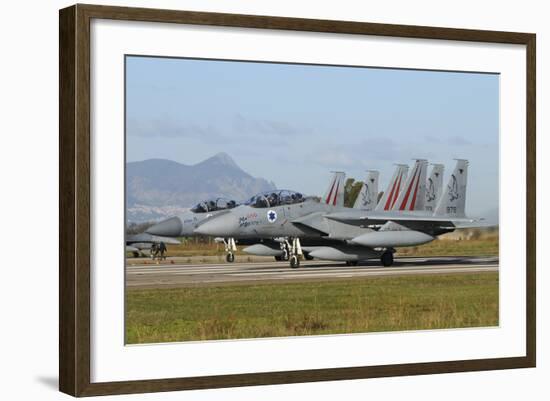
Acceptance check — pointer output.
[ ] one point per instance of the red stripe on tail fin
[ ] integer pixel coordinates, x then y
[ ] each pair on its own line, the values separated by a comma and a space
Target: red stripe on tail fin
404, 203
336, 194
415, 192
397, 192
327, 201
388, 202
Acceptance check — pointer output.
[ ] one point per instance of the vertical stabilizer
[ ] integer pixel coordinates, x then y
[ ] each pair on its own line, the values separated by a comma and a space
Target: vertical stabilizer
413, 194
368, 196
434, 187
335, 191
394, 187
453, 200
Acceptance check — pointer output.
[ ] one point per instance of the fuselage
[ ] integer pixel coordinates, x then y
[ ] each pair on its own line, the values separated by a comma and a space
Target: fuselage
247, 221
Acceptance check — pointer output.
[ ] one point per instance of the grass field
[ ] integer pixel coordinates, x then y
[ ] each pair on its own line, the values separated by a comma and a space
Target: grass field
294, 309
483, 245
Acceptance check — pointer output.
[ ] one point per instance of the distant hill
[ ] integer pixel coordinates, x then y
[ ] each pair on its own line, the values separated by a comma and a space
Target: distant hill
157, 188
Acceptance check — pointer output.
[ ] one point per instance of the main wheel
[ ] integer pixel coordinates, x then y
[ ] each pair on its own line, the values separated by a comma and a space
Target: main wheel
294, 261
351, 263
306, 255
278, 258
387, 259
230, 257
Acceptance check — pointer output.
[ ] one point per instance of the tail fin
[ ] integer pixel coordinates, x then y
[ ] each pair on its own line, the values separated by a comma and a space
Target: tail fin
392, 192
335, 191
434, 187
368, 196
413, 195
453, 200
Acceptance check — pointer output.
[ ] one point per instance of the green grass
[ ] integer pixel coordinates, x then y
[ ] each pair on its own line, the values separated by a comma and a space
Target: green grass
445, 247
294, 309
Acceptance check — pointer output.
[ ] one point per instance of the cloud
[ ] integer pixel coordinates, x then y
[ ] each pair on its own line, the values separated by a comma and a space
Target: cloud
364, 154
246, 126
458, 141
432, 139
167, 128
237, 132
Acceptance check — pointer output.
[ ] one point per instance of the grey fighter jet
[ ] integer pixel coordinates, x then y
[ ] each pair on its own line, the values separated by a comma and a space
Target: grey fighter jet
338, 233
283, 215
185, 224
137, 244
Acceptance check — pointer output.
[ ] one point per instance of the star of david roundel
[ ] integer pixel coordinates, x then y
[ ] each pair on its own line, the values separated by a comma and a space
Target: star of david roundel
271, 216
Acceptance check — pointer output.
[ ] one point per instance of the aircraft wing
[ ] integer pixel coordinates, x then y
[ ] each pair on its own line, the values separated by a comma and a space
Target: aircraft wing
313, 221
374, 219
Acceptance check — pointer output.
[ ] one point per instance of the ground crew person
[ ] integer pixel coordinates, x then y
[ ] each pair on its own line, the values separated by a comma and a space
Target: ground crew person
162, 249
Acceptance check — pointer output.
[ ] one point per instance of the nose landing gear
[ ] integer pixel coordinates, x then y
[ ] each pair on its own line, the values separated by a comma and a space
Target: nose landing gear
286, 254
295, 252
230, 248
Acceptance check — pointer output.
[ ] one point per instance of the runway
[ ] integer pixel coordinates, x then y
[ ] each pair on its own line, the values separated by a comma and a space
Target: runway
173, 275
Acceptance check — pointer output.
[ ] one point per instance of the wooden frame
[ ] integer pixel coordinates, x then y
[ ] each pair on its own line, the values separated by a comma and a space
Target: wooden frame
74, 199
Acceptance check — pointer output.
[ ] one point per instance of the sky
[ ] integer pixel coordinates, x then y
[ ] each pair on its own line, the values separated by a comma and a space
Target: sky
294, 124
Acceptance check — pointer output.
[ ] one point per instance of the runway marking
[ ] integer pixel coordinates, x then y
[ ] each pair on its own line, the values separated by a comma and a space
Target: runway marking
197, 274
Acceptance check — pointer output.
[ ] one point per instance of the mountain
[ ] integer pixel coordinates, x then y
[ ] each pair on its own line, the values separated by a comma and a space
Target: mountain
157, 188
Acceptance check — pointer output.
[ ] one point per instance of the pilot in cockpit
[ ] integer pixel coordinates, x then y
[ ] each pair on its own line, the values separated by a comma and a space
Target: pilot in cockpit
273, 199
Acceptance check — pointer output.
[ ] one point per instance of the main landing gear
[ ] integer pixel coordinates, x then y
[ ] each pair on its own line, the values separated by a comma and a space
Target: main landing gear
387, 258
295, 252
230, 249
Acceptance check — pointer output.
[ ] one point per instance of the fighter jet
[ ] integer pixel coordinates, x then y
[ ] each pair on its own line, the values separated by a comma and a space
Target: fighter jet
338, 233
185, 224
412, 227
288, 216
137, 244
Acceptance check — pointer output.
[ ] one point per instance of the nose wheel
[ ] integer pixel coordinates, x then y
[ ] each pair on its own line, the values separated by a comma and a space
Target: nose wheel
230, 248
294, 262
295, 253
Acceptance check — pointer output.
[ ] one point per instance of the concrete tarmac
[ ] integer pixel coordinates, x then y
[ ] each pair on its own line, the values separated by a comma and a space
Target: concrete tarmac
166, 275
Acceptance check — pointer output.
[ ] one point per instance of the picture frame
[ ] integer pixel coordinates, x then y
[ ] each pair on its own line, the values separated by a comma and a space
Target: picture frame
76, 208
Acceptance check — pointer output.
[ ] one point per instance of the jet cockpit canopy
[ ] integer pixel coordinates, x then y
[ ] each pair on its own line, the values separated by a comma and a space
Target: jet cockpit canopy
275, 198
213, 205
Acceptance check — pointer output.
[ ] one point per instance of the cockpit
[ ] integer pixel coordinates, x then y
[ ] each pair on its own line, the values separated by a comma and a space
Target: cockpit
213, 205
275, 198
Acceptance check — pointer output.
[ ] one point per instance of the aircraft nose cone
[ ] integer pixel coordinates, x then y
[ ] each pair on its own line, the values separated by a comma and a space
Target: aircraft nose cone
225, 225
167, 228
